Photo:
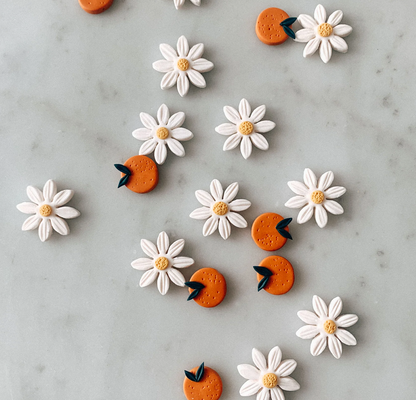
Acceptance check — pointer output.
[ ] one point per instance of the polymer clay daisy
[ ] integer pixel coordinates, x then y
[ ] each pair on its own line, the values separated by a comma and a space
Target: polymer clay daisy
180, 3
315, 196
246, 127
323, 34
48, 211
162, 263
166, 132
326, 327
269, 378
182, 66
220, 209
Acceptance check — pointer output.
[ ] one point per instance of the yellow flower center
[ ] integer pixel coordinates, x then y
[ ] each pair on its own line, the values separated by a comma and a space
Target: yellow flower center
220, 208
161, 263
246, 128
325, 29
270, 380
183, 64
45, 210
162, 133
317, 197
330, 326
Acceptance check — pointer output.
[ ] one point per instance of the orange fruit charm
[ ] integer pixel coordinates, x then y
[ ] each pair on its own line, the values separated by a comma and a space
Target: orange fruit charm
275, 275
207, 287
95, 6
202, 383
139, 174
274, 26
270, 231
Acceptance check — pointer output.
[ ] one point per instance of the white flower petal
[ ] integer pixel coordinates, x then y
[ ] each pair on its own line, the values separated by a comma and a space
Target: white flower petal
176, 120
224, 228
308, 317
162, 243
232, 142
335, 308
183, 85
196, 2
202, 65
333, 207
247, 371
163, 282
62, 197
35, 195
45, 230
344, 321
176, 277
210, 226
163, 114
149, 248
176, 147
183, 46
264, 394
182, 134
259, 360
147, 120
216, 190
319, 307
277, 393
249, 388
176, 247
311, 47
148, 277
264, 126
321, 216
231, 192
307, 21
142, 134
318, 345
239, 205
49, 190
168, 52
178, 3
27, 207
160, 153
226, 129
296, 202
196, 51
244, 109
325, 51
285, 368
305, 214
289, 384
320, 14
335, 192
163, 66
204, 198
147, 147
31, 223
298, 187
182, 262
325, 181
338, 44
201, 213
305, 35
142, 264
307, 332
335, 346
237, 220
60, 225
232, 115
196, 78
169, 80
342, 30
335, 18
346, 337
67, 212
258, 114
310, 179
246, 147
259, 141
274, 358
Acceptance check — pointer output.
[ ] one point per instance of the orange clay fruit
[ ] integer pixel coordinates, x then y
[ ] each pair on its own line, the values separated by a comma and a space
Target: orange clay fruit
207, 287
209, 387
282, 275
268, 28
139, 174
95, 6
266, 235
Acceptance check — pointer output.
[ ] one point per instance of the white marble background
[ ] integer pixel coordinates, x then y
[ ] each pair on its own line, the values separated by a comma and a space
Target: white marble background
74, 324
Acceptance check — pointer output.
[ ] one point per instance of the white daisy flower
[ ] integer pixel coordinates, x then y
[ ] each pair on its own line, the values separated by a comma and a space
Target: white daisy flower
48, 211
220, 209
315, 196
325, 327
182, 66
167, 131
180, 3
246, 127
269, 378
323, 34
163, 263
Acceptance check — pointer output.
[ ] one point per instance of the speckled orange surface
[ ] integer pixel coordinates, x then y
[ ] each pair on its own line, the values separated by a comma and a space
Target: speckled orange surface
215, 287
144, 174
265, 234
283, 276
208, 388
268, 27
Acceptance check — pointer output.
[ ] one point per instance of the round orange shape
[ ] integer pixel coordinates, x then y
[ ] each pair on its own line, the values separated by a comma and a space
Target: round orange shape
268, 27
144, 174
265, 234
215, 287
283, 275
95, 6
208, 388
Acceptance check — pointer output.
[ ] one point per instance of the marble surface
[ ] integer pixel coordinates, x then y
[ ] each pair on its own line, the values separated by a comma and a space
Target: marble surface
74, 324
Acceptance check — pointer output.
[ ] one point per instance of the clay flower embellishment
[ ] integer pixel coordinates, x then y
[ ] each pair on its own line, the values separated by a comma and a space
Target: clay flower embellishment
322, 33
326, 327
48, 211
166, 132
220, 209
162, 263
315, 197
246, 127
180, 3
182, 66
269, 378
